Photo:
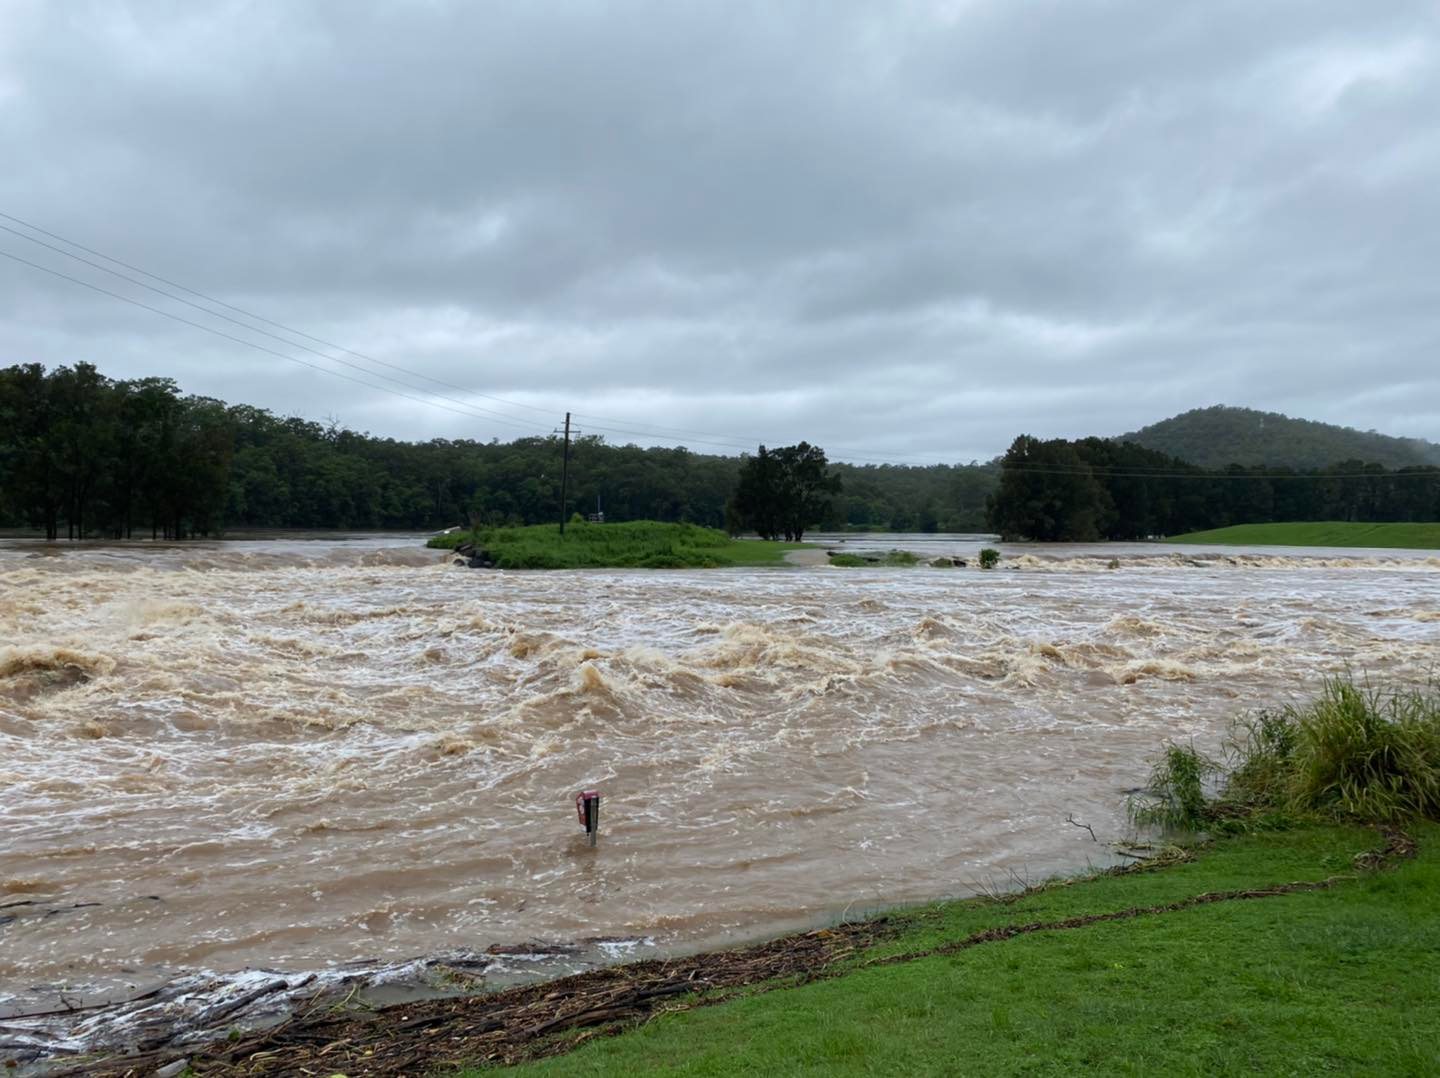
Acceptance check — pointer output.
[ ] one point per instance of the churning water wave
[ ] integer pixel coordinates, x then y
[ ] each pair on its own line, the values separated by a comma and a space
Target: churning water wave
283, 767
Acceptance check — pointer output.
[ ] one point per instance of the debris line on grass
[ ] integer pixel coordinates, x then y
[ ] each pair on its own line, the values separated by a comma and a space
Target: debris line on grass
553, 1017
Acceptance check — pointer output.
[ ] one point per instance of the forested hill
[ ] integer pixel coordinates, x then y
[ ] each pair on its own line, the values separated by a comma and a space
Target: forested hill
1218, 436
84, 455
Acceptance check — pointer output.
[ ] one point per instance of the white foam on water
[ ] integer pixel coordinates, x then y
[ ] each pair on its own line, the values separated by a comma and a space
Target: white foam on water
260, 760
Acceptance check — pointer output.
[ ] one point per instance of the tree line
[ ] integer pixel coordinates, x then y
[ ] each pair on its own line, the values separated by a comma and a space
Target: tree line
1094, 488
84, 455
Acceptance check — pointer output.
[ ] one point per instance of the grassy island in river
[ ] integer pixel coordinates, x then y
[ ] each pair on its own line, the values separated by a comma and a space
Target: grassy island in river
1333, 533
639, 544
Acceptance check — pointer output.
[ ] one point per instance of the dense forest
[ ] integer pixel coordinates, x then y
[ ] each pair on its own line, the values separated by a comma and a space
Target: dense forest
1096, 488
1220, 436
84, 455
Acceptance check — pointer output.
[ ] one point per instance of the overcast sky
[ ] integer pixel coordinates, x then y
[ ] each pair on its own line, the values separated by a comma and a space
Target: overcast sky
903, 231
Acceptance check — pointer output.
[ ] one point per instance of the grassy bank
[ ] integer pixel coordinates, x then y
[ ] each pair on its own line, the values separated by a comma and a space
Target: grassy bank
1338, 979
1334, 533
641, 544
1305, 951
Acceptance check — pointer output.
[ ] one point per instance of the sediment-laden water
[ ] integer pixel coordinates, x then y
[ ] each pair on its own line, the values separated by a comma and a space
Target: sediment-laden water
296, 756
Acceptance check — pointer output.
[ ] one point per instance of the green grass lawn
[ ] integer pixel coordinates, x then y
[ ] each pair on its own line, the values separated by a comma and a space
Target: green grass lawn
890, 559
641, 544
1339, 981
1322, 533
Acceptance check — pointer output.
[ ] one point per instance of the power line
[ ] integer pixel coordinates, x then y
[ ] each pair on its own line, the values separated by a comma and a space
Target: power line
737, 441
247, 314
252, 329
477, 413
250, 344
731, 441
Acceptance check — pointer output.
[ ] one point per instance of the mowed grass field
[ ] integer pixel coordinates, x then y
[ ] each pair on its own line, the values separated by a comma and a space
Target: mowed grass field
1335, 981
1333, 533
640, 544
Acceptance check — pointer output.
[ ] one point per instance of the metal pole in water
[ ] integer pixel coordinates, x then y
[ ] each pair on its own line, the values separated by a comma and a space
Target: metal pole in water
587, 808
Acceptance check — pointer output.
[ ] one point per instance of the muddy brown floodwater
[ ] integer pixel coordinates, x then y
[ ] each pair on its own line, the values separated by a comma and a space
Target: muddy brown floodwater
294, 756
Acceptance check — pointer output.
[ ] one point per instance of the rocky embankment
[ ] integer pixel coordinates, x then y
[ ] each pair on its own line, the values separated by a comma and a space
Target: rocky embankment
473, 557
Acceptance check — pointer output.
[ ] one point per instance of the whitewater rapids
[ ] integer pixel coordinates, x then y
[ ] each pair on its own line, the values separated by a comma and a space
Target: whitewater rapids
305, 755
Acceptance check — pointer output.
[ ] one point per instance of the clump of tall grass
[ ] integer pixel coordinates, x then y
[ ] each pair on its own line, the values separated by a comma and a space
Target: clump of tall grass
1354, 752
1175, 797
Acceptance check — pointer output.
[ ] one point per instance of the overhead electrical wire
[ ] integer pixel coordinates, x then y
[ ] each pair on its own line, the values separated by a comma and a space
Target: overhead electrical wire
614, 425
477, 410
248, 314
248, 344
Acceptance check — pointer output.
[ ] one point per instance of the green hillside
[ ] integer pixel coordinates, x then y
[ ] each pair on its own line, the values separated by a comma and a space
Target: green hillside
1336, 533
1217, 436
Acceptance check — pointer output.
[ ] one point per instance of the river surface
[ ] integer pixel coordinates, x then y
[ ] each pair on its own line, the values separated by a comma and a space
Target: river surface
293, 755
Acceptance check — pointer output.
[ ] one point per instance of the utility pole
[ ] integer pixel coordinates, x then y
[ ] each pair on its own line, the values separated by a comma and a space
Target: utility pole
564, 473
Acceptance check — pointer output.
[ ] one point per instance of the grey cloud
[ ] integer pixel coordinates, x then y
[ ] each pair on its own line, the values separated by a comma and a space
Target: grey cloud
910, 230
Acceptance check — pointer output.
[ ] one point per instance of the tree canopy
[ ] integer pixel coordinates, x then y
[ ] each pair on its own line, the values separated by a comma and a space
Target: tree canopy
780, 493
85, 455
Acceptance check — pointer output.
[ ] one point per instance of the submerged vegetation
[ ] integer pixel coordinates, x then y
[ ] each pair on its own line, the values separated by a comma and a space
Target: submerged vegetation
1334, 533
890, 559
1354, 753
641, 544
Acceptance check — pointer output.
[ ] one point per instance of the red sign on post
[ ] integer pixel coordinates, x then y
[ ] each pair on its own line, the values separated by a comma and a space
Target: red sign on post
587, 808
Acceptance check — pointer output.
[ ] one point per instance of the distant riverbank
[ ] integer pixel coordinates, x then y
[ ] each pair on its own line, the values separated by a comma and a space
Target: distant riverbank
1331, 533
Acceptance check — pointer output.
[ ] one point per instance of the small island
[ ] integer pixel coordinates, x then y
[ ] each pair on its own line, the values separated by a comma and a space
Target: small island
639, 544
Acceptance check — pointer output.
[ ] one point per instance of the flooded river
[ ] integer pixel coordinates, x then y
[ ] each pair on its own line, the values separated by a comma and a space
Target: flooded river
297, 755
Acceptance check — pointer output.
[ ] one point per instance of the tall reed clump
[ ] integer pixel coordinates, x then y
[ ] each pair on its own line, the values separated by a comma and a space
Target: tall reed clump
1175, 797
1354, 752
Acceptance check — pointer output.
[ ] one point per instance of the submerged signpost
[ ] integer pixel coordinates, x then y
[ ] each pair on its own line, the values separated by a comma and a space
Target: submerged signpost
587, 807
